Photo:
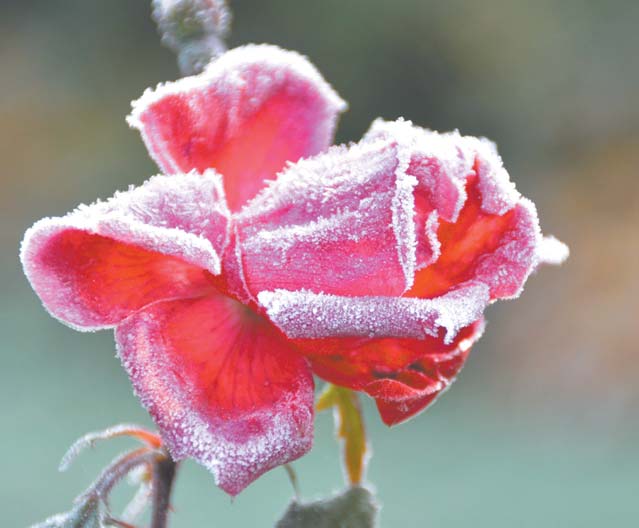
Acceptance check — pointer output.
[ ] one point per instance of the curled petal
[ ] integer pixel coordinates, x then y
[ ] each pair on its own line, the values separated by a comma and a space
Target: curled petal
222, 384
442, 164
95, 266
439, 162
468, 210
254, 109
498, 250
471, 222
339, 223
308, 315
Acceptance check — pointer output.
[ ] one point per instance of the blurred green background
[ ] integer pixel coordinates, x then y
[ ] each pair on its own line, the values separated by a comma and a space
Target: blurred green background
541, 429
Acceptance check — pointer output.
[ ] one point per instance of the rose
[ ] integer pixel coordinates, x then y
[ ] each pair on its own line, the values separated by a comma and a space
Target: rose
232, 280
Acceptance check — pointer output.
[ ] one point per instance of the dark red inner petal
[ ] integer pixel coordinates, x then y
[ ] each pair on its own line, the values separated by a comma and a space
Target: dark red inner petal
355, 362
112, 279
394, 412
463, 243
403, 375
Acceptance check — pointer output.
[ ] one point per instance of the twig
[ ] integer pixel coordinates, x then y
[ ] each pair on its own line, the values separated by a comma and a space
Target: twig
163, 476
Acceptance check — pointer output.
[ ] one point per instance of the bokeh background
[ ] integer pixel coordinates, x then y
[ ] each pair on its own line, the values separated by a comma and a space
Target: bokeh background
541, 429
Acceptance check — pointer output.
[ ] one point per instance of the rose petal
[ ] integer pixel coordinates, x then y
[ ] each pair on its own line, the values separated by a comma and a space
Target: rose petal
498, 250
440, 163
443, 162
403, 375
471, 221
251, 111
340, 223
308, 315
222, 384
96, 265
405, 209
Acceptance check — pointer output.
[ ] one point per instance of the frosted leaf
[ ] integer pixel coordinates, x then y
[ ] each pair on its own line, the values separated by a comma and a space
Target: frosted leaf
260, 100
87, 514
91, 507
118, 469
354, 507
89, 440
222, 385
307, 315
99, 263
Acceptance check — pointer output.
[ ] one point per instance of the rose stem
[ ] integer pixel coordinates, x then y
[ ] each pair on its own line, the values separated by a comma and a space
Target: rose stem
163, 476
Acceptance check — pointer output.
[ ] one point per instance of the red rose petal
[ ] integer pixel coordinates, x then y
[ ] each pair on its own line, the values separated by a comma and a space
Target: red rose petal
308, 315
466, 236
222, 384
254, 109
439, 162
403, 375
471, 222
97, 265
340, 223
498, 250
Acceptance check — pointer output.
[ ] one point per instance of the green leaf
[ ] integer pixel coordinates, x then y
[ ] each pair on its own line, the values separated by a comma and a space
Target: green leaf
85, 514
355, 507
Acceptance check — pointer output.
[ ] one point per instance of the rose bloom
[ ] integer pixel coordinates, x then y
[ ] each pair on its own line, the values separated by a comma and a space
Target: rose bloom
263, 256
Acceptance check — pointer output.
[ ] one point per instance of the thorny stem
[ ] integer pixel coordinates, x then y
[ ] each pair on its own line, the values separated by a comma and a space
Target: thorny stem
163, 477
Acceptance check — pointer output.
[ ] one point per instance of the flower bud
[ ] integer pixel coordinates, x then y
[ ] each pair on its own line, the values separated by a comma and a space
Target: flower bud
193, 29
